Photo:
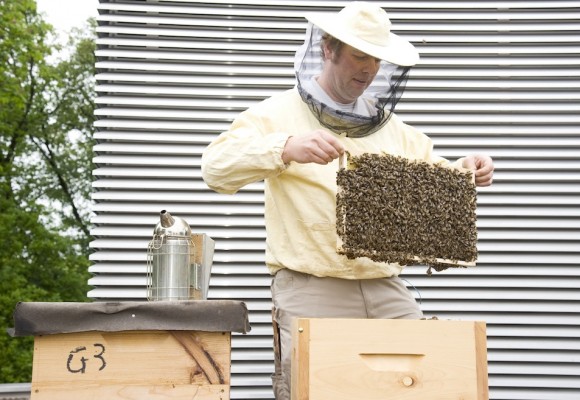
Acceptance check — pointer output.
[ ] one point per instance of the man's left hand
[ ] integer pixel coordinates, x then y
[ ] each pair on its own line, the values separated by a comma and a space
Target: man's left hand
482, 167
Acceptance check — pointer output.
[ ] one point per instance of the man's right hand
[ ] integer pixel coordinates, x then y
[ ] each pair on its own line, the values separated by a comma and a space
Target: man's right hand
319, 146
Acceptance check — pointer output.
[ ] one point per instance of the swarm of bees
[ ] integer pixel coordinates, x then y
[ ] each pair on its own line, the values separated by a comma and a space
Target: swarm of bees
391, 209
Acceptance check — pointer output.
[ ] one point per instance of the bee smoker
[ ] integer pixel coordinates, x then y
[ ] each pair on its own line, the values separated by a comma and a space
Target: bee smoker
178, 262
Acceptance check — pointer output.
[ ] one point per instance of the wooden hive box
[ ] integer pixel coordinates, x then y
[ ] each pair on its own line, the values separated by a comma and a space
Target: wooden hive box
131, 350
370, 359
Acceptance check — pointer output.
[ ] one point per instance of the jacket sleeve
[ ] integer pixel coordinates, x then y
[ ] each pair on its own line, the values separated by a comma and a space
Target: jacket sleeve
244, 154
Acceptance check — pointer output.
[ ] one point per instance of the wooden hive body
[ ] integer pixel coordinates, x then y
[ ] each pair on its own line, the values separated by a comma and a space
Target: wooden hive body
371, 359
132, 365
131, 350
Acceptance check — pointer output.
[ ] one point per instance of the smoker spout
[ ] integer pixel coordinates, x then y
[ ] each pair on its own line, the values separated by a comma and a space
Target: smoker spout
166, 219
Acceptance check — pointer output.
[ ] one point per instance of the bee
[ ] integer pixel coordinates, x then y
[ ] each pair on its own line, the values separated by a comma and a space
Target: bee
396, 210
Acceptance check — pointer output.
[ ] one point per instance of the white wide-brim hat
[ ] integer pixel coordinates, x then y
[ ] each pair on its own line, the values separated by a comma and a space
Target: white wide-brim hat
367, 28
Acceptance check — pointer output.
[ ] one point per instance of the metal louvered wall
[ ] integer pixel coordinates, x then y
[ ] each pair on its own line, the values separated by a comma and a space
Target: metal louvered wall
500, 77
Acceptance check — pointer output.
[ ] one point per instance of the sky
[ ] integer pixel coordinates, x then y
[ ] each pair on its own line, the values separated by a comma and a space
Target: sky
66, 14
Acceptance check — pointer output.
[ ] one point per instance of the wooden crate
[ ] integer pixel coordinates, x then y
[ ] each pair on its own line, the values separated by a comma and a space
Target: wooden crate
388, 359
132, 365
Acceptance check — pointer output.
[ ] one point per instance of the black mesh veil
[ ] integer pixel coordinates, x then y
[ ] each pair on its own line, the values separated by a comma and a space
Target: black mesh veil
380, 98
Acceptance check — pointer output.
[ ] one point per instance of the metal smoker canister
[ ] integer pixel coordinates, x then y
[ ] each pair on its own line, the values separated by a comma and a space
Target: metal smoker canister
172, 271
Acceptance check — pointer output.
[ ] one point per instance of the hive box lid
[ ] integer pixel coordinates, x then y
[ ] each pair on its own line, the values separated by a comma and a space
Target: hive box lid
45, 318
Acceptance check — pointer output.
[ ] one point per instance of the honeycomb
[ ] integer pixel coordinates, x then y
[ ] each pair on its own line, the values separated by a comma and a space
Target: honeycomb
391, 209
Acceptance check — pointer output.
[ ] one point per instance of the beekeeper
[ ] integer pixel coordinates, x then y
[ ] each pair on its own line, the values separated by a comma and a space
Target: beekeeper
351, 72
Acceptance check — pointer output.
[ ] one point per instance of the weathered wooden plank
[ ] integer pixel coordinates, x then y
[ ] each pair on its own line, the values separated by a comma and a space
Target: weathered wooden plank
128, 365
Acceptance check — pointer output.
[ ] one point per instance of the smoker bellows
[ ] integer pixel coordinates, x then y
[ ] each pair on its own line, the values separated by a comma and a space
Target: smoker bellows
391, 209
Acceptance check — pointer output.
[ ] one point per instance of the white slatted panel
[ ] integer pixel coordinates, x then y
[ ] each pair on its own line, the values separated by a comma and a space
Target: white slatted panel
496, 76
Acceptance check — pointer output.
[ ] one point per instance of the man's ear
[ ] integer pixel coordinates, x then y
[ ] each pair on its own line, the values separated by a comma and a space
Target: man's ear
326, 52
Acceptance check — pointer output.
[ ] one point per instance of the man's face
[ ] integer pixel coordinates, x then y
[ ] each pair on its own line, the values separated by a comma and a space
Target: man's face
347, 73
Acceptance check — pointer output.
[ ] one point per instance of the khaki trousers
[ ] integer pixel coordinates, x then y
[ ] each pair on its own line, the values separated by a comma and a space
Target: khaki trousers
295, 294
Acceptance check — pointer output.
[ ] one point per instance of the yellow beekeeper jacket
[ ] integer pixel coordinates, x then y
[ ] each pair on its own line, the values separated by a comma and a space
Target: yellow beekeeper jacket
300, 199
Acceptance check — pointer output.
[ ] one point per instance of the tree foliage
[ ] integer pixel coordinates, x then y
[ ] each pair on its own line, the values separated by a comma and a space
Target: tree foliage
45, 170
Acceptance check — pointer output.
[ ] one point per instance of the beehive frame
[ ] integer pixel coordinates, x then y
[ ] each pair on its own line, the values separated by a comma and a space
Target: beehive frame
396, 210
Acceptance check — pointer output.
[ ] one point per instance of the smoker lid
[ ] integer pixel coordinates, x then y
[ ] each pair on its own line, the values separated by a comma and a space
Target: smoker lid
37, 318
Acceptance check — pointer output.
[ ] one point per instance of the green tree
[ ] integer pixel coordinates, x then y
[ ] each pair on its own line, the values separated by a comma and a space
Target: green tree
45, 170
